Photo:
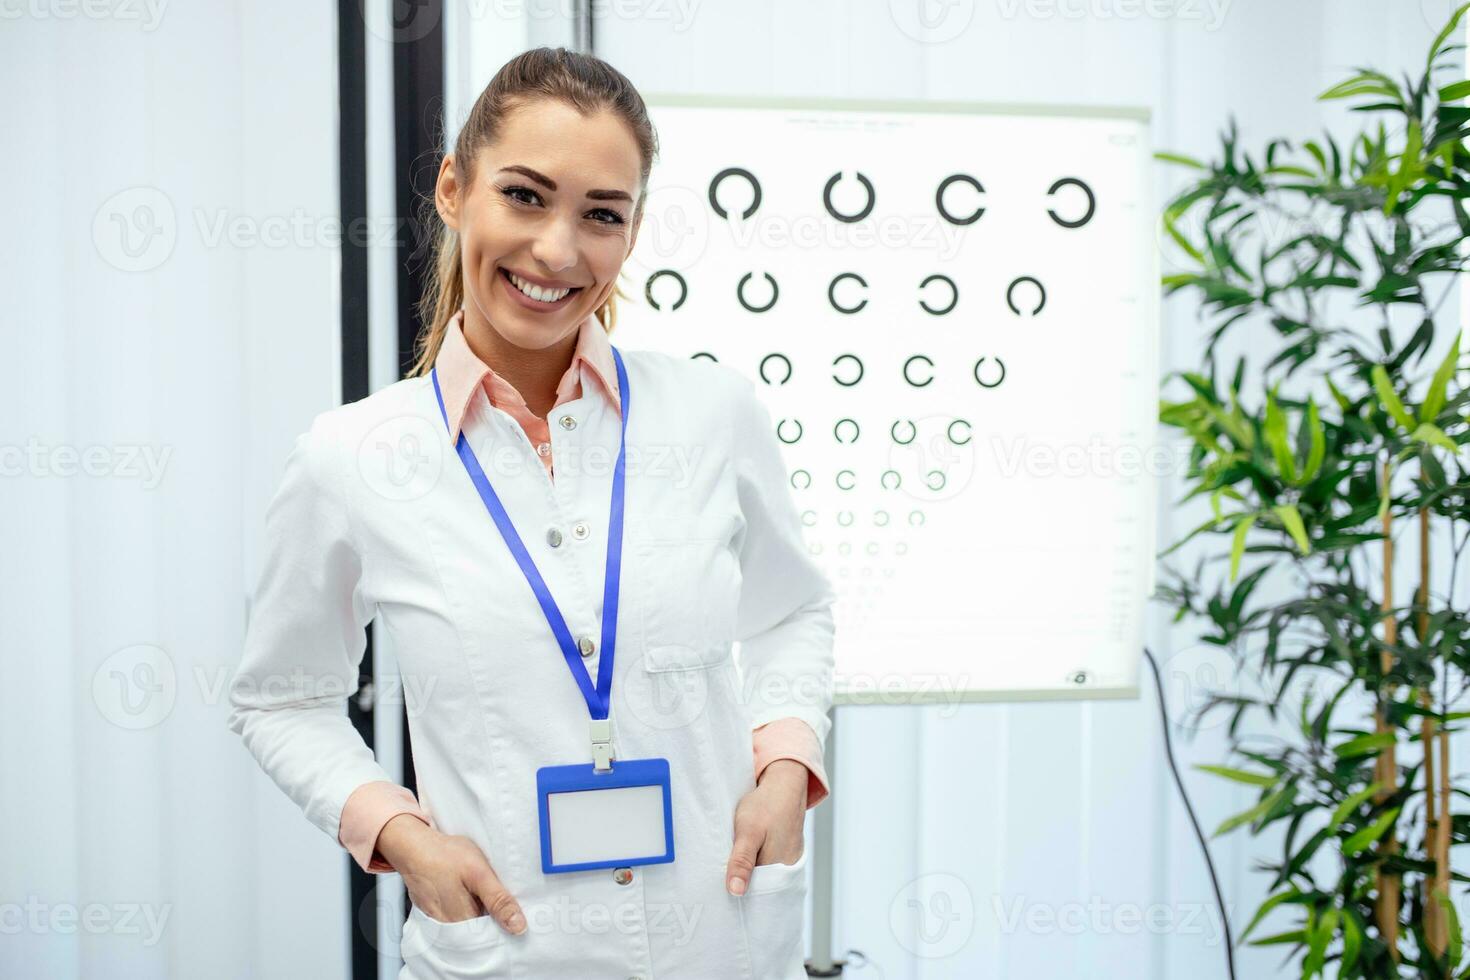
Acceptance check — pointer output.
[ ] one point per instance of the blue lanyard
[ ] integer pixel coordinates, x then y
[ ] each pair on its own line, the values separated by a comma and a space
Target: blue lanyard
597, 697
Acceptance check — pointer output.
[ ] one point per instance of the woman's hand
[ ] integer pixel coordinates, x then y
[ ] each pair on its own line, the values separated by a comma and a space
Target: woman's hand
448, 877
768, 823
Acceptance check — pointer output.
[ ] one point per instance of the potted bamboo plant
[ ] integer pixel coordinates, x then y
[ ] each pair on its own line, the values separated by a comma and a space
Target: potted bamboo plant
1331, 467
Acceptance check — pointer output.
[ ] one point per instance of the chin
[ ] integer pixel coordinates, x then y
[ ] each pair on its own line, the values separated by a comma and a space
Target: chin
528, 330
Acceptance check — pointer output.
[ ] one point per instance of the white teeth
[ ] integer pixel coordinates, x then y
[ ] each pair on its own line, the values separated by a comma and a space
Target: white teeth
536, 292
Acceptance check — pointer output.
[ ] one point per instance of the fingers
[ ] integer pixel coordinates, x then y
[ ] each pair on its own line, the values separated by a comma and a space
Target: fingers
748, 840
498, 902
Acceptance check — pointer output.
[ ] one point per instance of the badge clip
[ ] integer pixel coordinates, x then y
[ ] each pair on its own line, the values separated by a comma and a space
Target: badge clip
602, 751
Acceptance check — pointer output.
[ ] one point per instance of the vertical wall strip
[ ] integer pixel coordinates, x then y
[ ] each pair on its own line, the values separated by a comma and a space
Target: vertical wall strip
418, 125
584, 35
418, 128
356, 383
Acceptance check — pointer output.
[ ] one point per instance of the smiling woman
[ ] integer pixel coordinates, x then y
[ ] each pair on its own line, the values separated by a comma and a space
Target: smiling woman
668, 795
534, 226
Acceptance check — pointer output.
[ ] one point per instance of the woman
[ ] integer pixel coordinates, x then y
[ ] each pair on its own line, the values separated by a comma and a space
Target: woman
647, 496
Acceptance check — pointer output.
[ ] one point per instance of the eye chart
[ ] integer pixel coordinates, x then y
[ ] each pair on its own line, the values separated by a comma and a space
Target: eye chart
951, 312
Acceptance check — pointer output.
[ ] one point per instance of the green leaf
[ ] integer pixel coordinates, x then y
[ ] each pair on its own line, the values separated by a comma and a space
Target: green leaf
1318, 447
1455, 948
1444, 34
1390, 398
1370, 744
1434, 436
1268, 905
1321, 935
1385, 496
1434, 398
1352, 942
1256, 812
1275, 432
1241, 775
1369, 834
1237, 545
1350, 805
1180, 240
1181, 159
1291, 518
1455, 91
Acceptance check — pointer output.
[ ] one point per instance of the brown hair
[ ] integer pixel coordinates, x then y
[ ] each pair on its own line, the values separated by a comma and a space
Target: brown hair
586, 83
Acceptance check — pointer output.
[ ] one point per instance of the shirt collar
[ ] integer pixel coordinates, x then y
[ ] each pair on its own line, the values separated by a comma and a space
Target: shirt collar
461, 372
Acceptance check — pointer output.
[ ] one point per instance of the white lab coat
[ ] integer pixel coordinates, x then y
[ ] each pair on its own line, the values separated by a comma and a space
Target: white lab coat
376, 518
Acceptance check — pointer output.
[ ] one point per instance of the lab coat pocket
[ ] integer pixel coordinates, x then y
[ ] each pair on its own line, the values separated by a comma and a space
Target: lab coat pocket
773, 909
688, 588
434, 950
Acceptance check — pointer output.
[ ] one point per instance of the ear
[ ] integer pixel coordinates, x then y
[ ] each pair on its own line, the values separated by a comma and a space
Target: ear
447, 192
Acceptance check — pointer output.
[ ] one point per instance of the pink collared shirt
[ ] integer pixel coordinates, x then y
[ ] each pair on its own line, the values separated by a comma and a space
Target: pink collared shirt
373, 804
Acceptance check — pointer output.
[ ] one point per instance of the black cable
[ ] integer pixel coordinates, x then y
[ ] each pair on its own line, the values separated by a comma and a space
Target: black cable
1189, 808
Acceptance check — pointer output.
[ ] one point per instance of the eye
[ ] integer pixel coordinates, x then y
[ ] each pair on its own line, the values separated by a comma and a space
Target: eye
513, 191
613, 218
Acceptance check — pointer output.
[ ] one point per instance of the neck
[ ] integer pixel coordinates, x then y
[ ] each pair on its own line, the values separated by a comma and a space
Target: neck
533, 373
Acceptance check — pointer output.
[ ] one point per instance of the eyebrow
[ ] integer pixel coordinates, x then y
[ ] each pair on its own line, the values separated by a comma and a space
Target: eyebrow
549, 184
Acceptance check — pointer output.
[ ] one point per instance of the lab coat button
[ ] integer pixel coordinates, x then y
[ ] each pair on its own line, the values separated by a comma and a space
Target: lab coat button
580, 530
567, 422
544, 449
623, 876
586, 645
553, 537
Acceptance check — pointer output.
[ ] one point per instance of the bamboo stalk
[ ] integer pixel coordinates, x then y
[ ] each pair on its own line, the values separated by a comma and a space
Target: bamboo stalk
1442, 865
1436, 926
1386, 907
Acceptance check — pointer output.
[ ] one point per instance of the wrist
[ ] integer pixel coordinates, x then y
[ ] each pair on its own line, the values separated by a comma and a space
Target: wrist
786, 775
401, 837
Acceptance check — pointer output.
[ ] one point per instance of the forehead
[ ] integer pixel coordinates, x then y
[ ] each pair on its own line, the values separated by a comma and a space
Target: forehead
553, 138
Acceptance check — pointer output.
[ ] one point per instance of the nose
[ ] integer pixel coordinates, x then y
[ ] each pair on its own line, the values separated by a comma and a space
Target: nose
555, 247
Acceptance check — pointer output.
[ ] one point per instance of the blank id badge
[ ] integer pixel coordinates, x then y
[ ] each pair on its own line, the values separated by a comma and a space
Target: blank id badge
612, 819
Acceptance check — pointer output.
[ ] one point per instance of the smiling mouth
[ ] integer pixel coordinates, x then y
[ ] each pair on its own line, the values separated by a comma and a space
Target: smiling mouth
537, 294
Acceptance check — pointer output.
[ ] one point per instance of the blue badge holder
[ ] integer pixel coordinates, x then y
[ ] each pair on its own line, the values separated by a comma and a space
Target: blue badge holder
624, 774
